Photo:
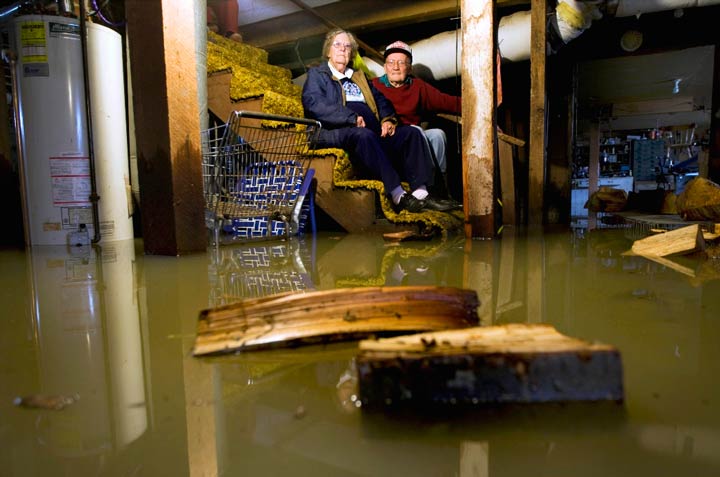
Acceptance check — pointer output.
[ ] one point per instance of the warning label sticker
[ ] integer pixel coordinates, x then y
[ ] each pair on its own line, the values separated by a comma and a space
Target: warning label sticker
70, 180
33, 42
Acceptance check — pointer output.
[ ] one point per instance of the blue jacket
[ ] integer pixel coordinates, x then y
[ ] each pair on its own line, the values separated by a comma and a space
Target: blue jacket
324, 99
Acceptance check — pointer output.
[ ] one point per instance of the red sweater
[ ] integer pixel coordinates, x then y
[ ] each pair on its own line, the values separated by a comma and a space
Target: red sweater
416, 99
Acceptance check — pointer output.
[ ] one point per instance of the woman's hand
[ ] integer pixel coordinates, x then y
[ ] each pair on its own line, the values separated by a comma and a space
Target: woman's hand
388, 129
360, 122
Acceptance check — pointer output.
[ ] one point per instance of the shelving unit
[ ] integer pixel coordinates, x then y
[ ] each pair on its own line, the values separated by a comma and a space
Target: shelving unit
615, 158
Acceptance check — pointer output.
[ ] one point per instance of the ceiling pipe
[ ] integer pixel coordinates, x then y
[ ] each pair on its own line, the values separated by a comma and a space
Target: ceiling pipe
437, 57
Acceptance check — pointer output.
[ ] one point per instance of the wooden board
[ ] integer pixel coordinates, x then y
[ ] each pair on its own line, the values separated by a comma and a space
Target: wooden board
507, 182
353, 210
219, 101
655, 106
495, 364
344, 313
683, 240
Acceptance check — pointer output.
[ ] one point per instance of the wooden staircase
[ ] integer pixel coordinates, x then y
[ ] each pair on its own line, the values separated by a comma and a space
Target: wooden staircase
355, 210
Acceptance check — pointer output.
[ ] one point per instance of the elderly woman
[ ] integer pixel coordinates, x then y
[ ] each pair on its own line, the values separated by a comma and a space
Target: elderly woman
357, 118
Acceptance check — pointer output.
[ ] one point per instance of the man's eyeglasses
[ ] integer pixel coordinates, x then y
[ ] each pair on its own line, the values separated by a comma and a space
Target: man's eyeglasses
397, 62
339, 46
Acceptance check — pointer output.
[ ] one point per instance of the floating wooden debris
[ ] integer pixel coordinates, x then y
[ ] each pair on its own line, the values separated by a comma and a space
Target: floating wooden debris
40, 401
346, 313
672, 264
683, 240
516, 363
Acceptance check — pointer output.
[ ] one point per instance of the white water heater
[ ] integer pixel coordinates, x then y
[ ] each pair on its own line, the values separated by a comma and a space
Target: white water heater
51, 106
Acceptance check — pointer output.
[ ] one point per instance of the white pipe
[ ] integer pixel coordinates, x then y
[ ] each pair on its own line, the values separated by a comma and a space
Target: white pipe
436, 57
628, 8
514, 36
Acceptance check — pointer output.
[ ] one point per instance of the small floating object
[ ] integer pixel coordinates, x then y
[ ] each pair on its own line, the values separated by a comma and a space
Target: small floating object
39, 401
406, 235
515, 363
290, 319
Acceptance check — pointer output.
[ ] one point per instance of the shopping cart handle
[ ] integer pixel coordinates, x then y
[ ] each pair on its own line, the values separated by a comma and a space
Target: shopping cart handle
272, 117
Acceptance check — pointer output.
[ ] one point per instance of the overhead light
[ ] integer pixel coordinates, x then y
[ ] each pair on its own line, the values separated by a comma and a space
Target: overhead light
631, 40
676, 86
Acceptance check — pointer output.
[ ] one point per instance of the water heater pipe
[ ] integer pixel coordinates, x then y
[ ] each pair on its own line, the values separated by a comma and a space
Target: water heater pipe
11, 58
94, 197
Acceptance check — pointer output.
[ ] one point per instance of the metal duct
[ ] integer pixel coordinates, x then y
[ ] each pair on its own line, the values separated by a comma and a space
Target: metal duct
437, 57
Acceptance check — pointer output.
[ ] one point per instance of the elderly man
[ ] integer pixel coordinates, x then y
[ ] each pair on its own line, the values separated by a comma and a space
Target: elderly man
414, 99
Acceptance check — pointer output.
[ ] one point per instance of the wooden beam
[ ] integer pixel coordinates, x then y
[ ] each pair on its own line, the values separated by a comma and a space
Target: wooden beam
478, 105
354, 16
593, 168
714, 149
167, 125
536, 179
369, 50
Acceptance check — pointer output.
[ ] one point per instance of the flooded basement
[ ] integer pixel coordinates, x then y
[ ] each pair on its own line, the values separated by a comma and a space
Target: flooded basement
98, 342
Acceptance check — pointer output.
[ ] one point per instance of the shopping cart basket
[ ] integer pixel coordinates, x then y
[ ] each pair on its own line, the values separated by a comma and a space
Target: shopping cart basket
253, 171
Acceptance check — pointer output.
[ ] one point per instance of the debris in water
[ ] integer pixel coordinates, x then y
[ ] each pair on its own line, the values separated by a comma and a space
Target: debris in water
513, 363
300, 412
39, 401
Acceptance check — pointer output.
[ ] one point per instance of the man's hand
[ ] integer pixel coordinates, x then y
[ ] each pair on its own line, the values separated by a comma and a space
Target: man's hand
388, 129
360, 122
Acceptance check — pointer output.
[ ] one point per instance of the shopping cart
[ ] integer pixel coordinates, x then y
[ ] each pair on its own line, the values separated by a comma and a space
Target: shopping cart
254, 167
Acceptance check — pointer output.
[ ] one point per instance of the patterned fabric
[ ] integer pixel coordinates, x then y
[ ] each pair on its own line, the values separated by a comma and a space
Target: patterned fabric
266, 186
352, 91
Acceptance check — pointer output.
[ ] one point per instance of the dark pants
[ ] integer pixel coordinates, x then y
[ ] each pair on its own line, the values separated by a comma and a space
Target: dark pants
389, 159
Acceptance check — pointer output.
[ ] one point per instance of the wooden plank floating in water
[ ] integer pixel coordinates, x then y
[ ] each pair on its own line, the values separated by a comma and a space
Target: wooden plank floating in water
516, 363
683, 240
331, 315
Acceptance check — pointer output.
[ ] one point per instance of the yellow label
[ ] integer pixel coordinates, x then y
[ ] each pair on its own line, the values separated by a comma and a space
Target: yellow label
33, 43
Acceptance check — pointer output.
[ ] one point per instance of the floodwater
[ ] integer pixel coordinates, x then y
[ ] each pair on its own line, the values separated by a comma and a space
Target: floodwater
111, 330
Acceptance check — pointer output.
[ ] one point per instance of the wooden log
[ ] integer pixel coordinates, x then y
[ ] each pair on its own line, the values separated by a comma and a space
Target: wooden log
516, 363
683, 240
305, 318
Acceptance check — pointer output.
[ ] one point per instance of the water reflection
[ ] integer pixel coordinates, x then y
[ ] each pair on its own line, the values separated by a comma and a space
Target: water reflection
84, 317
117, 328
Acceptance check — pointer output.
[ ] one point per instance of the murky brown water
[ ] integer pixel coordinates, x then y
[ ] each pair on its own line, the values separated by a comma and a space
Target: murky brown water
114, 329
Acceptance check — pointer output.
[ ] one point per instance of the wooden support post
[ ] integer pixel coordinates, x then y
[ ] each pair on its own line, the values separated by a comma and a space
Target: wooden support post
593, 169
167, 125
535, 296
478, 98
507, 176
714, 150
536, 179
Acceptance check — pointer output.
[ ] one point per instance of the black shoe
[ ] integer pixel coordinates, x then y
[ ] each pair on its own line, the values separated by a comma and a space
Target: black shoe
441, 205
410, 203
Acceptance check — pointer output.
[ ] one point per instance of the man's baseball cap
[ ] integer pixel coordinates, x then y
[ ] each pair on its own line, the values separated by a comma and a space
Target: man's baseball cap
398, 47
